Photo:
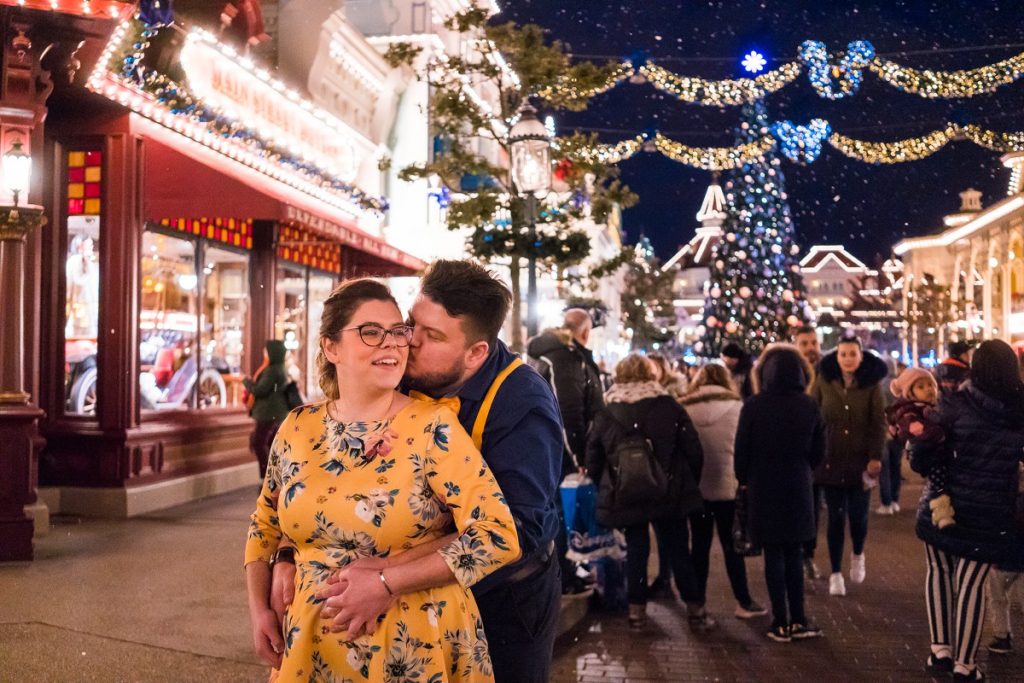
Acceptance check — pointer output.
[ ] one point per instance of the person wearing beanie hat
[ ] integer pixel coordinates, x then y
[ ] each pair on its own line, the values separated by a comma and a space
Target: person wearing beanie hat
267, 401
953, 372
740, 365
912, 418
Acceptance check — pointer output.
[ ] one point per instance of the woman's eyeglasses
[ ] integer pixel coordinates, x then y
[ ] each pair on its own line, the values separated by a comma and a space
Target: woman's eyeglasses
373, 334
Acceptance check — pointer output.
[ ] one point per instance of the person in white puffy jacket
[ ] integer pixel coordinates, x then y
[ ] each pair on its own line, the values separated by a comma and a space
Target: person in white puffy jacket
714, 407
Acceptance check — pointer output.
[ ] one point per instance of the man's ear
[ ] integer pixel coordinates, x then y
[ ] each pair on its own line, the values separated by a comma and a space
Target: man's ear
477, 354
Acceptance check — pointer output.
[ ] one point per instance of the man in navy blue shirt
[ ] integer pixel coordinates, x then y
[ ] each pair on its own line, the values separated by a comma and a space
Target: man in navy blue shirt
455, 354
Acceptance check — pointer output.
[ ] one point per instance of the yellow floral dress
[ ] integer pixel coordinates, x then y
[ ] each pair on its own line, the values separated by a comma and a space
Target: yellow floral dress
341, 491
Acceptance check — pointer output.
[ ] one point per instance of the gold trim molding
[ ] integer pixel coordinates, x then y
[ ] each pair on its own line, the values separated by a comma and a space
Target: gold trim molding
16, 222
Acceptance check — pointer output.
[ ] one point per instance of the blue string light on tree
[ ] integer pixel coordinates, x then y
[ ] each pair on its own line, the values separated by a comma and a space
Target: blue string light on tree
801, 144
836, 81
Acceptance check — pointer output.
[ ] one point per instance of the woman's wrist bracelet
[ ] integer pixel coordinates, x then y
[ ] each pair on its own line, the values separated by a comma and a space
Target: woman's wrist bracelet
385, 582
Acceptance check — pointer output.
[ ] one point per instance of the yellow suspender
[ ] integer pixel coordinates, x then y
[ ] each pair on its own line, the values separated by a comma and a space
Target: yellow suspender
485, 407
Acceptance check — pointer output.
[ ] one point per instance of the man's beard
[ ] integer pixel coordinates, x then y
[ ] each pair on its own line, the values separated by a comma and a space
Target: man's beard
431, 383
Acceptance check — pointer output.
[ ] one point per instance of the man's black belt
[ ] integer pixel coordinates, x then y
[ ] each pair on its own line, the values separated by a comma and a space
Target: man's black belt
533, 564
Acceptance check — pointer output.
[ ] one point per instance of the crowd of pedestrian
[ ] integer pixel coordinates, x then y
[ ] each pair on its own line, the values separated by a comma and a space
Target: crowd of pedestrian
447, 451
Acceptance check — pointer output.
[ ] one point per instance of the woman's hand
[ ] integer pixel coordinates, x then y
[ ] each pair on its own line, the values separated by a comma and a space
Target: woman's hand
266, 636
355, 597
874, 467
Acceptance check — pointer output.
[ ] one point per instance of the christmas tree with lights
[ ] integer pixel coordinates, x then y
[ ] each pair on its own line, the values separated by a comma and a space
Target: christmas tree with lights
755, 294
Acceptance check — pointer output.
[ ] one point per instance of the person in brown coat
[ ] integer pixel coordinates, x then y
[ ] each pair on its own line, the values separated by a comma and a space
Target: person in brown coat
849, 392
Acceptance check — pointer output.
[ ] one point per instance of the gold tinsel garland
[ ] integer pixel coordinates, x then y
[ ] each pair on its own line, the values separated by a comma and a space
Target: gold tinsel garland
621, 73
923, 146
614, 153
949, 84
713, 158
720, 93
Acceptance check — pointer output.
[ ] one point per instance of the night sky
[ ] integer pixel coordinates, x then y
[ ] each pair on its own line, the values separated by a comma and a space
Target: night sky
836, 199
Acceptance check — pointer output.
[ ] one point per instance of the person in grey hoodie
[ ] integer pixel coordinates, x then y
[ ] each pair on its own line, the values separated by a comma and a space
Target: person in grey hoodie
714, 407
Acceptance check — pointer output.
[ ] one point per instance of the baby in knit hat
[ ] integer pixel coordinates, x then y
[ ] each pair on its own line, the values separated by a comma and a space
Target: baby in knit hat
912, 417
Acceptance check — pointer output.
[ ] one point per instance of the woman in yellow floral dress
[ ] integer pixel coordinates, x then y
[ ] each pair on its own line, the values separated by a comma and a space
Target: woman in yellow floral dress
375, 476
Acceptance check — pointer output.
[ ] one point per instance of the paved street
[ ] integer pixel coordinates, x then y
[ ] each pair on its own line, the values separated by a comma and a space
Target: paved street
161, 598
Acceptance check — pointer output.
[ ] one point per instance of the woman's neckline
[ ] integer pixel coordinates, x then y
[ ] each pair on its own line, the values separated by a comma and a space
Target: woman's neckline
384, 420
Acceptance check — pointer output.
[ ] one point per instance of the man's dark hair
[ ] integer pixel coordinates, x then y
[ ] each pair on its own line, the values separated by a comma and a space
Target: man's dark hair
468, 291
958, 348
803, 329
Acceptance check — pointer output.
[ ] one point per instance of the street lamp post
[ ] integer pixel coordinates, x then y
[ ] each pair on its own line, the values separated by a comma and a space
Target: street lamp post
530, 150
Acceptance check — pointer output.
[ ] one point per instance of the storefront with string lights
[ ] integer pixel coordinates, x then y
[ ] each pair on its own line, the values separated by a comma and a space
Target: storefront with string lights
198, 208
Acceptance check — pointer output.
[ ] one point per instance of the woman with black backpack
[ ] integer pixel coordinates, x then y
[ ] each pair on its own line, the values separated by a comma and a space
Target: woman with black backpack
644, 452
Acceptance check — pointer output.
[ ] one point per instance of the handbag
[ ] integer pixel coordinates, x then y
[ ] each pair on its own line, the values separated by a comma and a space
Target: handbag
588, 540
742, 542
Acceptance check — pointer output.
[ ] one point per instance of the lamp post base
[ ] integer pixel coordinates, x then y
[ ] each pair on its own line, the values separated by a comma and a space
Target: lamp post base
17, 434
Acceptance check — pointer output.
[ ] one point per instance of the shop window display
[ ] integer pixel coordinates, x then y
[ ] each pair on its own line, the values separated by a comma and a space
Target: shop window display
192, 324
83, 186
290, 321
225, 317
299, 303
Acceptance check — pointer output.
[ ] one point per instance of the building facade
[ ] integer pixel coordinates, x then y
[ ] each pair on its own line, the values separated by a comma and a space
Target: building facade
976, 263
196, 207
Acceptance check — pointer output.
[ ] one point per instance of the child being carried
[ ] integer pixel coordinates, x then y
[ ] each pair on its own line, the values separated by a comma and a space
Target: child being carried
913, 417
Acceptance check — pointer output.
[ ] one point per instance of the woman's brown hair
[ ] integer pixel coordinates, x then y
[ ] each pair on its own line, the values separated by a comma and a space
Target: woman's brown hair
634, 368
714, 375
339, 308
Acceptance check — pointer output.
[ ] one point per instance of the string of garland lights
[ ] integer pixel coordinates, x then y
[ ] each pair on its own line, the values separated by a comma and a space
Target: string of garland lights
720, 93
802, 144
713, 158
622, 72
949, 84
831, 77
122, 62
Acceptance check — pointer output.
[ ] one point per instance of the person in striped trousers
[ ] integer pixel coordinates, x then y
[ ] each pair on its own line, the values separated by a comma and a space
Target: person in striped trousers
983, 424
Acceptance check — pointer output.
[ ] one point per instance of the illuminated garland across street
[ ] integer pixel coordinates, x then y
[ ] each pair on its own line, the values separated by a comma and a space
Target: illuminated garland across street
802, 144
830, 78
713, 158
720, 93
949, 84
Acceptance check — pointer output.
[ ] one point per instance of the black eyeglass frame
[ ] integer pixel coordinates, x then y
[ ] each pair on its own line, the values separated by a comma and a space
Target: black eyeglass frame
400, 333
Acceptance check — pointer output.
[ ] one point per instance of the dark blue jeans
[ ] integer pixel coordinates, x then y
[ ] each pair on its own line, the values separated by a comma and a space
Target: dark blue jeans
846, 502
892, 477
676, 537
718, 514
521, 622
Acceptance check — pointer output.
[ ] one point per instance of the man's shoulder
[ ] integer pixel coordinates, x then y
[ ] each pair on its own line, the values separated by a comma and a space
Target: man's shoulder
523, 391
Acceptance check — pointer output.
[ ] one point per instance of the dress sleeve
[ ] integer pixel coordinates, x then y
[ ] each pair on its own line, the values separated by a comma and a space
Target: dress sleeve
264, 526
464, 484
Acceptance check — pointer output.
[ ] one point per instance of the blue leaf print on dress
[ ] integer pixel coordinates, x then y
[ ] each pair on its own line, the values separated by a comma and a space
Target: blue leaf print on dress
438, 431
292, 491
452, 488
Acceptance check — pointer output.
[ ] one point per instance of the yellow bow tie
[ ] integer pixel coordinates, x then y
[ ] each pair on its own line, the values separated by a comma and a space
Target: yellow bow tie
451, 402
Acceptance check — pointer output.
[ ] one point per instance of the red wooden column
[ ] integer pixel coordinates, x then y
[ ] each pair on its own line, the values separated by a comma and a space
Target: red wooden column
24, 87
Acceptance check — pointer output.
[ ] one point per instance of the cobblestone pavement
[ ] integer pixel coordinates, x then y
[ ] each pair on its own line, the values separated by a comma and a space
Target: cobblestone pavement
878, 632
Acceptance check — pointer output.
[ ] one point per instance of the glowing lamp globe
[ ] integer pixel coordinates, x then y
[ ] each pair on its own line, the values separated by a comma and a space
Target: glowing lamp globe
530, 149
17, 168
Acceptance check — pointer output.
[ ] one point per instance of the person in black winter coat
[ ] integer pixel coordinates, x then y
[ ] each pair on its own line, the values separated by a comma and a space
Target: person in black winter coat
740, 365
779, 442
636, 402
984, 428
561, 356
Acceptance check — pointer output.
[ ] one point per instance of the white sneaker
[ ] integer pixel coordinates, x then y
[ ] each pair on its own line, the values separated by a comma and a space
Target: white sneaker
857, 570
836, 585
884, 510
895, 507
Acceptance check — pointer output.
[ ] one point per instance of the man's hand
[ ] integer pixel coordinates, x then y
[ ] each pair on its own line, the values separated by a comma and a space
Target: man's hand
282, 588
874, 467
266, 636
355, 597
